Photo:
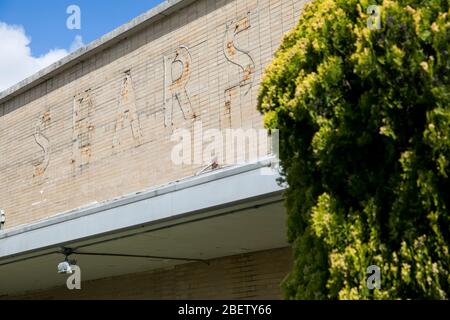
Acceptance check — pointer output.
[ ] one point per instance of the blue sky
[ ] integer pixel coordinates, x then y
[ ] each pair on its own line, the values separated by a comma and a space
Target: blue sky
45, 20
34, 34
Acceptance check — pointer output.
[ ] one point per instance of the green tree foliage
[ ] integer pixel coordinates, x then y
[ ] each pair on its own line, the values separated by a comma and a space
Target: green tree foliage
364, 120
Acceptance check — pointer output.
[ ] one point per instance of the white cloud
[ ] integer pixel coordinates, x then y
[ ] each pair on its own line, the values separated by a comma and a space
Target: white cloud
16, 60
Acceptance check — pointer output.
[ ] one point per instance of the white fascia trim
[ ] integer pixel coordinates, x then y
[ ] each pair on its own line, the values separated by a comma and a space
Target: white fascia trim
177, 200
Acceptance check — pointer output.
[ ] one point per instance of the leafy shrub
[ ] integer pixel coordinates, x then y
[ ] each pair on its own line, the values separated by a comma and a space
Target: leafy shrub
364, 120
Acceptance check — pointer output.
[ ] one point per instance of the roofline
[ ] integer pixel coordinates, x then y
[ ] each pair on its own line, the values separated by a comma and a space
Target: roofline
160, 11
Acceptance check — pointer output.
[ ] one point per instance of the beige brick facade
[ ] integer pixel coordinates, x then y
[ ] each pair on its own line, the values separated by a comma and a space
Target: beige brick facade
249, 276
102, 128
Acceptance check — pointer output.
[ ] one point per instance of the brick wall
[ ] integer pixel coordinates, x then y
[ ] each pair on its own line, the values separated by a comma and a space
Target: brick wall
250, 276
102, 128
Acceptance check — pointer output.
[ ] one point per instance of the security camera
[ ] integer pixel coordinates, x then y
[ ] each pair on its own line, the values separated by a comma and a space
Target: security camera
2, 218
65, 268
